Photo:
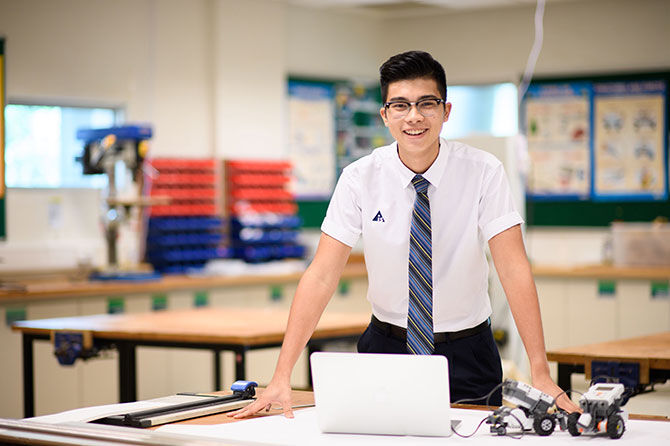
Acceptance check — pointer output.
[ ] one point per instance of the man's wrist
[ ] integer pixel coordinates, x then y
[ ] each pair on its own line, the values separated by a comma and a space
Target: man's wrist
281, 377
539, 369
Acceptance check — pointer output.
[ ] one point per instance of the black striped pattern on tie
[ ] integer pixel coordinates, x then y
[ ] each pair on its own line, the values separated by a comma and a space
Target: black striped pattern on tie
420, 311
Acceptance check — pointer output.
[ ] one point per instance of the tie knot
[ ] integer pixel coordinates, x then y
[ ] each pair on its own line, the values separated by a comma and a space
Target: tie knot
420, 184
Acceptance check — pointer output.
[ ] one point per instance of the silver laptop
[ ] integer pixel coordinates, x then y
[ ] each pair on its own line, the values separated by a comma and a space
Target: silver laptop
363, 393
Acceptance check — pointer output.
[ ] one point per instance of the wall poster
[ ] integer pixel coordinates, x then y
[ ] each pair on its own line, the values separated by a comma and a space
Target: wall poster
557, 125
311, 115
629, 144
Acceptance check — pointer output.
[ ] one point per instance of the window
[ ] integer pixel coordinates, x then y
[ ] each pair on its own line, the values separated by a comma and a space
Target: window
485, 109
42, 147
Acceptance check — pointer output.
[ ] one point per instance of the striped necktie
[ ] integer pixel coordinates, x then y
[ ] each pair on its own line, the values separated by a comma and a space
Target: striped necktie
420, 311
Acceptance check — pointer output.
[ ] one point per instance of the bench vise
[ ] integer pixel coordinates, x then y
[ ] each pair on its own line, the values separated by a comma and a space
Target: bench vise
68, 346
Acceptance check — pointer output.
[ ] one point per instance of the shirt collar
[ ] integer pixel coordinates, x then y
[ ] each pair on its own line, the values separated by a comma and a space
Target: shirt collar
433, 174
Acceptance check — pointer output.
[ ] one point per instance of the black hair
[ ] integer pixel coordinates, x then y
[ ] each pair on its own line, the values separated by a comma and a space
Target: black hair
412, 65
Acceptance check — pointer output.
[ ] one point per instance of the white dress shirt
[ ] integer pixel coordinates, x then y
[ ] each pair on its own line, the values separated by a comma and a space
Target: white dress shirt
470, 202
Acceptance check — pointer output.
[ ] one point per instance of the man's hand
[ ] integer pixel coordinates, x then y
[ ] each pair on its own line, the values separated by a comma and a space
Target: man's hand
273, 393
547, 385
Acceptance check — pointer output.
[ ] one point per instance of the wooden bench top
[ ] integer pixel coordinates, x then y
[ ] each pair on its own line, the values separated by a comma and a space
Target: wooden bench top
57, 289
604, 272
651, 352
241, 326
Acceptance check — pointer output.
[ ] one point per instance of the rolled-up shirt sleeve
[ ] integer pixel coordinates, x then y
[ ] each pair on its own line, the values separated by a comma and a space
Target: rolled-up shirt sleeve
343, 217
496, 205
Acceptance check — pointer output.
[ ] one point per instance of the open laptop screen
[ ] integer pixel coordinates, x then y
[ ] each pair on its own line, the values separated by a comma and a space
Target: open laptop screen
389, 394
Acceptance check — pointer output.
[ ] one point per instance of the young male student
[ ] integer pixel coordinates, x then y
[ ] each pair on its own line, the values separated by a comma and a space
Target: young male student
425, 208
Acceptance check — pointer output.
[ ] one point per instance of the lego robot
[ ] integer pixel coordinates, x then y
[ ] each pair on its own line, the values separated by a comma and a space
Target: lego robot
531, 411
602, 411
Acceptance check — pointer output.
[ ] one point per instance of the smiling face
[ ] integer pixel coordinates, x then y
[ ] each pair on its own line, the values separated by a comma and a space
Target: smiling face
418, 136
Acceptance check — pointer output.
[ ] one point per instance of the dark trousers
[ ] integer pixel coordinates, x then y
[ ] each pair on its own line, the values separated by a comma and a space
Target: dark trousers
474, 362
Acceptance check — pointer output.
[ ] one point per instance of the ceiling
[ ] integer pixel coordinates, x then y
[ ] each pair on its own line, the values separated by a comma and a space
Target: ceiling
395, 8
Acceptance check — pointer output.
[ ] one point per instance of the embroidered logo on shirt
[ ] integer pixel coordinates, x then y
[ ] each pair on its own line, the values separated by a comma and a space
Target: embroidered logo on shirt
378, 217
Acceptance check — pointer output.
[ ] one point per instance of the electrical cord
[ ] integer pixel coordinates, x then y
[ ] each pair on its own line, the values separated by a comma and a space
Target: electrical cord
487, 397
560, 410
520, 427
453, 429
535, 50
565, 392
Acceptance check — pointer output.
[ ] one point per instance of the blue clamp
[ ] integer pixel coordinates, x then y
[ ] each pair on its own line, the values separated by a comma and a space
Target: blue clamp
69, 346
245, 388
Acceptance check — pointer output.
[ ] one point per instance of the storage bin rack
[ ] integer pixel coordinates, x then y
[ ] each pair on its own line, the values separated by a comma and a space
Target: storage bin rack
187, 232
262, 211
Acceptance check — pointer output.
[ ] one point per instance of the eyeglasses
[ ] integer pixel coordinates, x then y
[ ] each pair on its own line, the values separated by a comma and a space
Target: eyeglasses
399, 109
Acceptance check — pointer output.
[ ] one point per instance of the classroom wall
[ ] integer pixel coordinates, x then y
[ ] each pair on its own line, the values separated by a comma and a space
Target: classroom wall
250, 79
192, 67
580, 37
152, 57
320, 43
53, 228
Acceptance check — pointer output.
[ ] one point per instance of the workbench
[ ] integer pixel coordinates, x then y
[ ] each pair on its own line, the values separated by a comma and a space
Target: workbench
651, 353
161, 371
216, 329
600, 303
603, 272
272, 428
71, 287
